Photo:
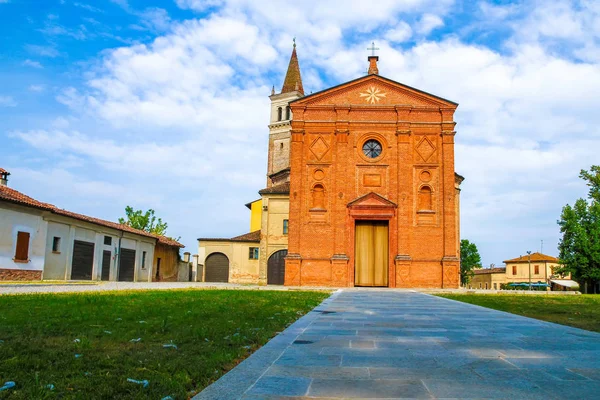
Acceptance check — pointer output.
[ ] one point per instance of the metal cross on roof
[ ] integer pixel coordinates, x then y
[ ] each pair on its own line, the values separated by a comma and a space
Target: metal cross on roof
373, 48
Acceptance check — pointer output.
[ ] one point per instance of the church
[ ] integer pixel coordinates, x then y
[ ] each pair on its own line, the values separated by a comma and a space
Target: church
361, 191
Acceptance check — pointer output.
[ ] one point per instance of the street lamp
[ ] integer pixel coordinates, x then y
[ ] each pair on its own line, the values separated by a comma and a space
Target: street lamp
529, 257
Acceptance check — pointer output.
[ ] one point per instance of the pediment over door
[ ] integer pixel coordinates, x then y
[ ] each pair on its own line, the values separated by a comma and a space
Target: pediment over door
372, 206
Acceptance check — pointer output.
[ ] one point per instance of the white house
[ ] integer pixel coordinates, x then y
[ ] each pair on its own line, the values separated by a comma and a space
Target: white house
41, 241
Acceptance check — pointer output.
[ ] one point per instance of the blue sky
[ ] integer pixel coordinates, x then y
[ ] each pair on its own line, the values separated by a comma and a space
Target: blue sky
164, 104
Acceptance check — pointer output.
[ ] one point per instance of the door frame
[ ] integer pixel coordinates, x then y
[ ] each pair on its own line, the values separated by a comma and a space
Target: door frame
372, 207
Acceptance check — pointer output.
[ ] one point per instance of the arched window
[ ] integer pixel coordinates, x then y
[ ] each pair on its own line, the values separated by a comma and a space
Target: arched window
425, 202
279, 112
318, 197
288, 113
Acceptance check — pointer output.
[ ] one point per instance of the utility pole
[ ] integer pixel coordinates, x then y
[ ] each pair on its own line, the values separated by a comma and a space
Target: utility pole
529, 257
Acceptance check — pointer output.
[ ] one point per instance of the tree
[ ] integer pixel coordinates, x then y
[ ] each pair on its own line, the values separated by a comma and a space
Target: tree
579, 247
145, 221
469, 260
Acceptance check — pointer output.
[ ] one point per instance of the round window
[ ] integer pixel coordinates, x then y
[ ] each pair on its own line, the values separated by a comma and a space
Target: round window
372, 148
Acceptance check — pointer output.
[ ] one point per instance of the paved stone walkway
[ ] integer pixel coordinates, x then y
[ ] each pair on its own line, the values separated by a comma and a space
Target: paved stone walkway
401, 344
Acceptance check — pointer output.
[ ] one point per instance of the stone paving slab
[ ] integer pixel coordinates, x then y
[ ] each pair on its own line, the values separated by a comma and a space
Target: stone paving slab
394, 344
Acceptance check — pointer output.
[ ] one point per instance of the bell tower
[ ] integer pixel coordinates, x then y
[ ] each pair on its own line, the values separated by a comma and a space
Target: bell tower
278, 168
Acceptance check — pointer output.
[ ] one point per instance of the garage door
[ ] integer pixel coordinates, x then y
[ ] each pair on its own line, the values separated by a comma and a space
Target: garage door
276, 268
83, 260
127, 265
106, 258
217, 268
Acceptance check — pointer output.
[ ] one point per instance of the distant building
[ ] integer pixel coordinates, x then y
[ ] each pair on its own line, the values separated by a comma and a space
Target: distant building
488, 278
535, 268
41, 241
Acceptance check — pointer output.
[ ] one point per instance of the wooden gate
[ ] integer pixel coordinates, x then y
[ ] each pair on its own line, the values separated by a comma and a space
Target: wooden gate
371, 253
276, 268
127, 265
217, 268
106, 258
83, 260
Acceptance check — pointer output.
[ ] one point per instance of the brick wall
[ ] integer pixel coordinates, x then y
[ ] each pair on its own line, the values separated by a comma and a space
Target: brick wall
19, 275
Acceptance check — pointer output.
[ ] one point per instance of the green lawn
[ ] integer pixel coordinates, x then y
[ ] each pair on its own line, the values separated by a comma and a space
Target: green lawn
86, 345
578, 311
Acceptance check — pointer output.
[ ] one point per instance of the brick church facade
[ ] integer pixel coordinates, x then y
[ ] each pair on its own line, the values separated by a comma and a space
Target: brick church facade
361, 191
374, 198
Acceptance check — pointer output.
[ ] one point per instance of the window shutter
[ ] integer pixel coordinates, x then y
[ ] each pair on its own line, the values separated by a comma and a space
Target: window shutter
22, 251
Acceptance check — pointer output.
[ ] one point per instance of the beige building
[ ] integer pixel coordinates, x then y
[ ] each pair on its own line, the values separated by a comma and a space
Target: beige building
488, 278
540, 267
537, 265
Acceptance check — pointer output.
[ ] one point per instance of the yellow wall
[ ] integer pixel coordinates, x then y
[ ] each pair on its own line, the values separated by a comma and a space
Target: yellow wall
522, 271
242, 269
272, 238
255, 215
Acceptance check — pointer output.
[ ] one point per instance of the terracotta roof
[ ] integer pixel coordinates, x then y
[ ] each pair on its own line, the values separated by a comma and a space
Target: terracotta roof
247, 237
534, 257
283, 188
3, 171
483, 271
293, 80
14, 196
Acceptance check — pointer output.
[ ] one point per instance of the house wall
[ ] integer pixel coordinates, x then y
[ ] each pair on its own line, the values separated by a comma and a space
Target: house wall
14, 218
241, 268
522, 275
479, 281
272, 237
169, 262
58, 265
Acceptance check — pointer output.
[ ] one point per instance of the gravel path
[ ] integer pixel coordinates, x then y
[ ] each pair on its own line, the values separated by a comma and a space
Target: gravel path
103, 286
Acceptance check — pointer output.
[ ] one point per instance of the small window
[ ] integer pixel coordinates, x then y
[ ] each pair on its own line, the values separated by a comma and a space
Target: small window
279, 114
514, 269
22, 249
486, 285
285, 226
56, 244
495, 286
536, 269
143, 260
253, 253
288, 113
107, 240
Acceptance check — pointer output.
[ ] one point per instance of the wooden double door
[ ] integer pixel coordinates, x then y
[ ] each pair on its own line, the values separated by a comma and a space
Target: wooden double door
371, 253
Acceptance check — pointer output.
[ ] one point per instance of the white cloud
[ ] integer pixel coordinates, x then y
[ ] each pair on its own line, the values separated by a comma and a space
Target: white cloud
37, 88
43, 51
400, 33
88, 7
428, 23
7, 101
33, 64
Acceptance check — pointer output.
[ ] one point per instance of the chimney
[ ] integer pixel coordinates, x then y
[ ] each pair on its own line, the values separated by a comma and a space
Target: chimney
373, 70
4, 177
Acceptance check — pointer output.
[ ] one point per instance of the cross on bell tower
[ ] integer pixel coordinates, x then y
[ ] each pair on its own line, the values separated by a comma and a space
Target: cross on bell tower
373, 60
